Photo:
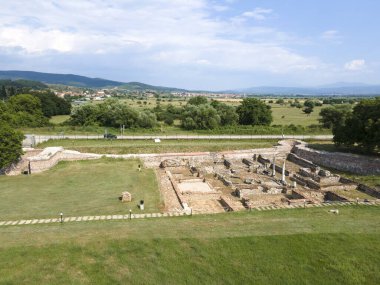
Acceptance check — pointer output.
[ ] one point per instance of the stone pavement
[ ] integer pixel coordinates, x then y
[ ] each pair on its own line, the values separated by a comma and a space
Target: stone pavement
161, 215
277, 207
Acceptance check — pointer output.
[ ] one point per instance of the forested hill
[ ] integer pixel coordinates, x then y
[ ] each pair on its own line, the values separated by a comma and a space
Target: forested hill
81, 81
22, 83
64, 79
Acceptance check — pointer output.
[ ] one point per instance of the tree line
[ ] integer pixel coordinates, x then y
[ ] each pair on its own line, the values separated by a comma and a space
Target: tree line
197, 114
32, 110
25, 110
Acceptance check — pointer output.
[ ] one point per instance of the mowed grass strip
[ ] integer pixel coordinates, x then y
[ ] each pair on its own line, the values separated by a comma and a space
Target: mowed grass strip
300, 246
103, 146
297, 259
78, 188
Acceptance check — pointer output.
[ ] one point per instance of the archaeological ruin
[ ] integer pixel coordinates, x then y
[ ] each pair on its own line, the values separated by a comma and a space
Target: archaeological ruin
207, 182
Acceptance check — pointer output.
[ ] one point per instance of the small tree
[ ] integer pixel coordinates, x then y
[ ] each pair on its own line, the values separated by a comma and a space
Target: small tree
280, 101
198, 100
309, 107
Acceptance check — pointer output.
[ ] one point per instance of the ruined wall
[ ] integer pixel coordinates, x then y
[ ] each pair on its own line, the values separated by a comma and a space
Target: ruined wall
44, 162
301, 161
354, 163
368, 190
330, 196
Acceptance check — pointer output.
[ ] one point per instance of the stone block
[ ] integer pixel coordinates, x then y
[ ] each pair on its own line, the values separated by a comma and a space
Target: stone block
126, 197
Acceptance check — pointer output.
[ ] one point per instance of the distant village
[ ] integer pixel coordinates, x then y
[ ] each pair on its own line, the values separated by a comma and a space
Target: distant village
81, 95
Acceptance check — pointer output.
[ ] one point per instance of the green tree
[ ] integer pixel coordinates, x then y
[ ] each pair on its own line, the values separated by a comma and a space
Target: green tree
308, 106
3, 93
334, 115
11, 91
25, 111
10, 145
201, 117
361, 127
309, 103
25, 103
308, 110
52, 105
280, 101
85, 115
198, 100
227, 113
146, 119
254, 112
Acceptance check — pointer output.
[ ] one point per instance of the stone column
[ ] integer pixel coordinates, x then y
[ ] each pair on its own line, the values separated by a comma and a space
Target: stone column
283, 172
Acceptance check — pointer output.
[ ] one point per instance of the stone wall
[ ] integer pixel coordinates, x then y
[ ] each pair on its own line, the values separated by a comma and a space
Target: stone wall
301, 161
368, 190
50, 157
354, 163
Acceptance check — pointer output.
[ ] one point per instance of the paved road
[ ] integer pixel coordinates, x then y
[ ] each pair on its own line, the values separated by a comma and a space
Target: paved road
43, 138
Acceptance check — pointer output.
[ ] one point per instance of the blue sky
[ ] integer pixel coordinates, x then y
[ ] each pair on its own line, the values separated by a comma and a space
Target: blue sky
196, 44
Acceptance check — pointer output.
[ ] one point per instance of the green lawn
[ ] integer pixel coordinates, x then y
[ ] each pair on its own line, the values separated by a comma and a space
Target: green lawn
78, 188
300, 246
149, 146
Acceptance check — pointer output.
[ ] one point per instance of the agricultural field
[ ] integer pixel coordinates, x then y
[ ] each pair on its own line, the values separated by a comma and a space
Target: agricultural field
79, 188
299, 246
103, 146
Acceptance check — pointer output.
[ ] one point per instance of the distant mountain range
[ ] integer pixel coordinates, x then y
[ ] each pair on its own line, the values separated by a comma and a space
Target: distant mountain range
340, 88
331, 89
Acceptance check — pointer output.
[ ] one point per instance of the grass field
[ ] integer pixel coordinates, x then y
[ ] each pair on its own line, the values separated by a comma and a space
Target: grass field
78, 188
300, 246
286, 115
56, 120
148, 146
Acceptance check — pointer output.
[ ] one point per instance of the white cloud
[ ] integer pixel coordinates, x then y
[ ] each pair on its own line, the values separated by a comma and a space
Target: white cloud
150, 34
258, 14
332, 36
220, 8
355, 65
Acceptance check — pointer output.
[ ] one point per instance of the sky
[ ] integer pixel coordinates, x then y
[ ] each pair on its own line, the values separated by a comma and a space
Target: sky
196, 44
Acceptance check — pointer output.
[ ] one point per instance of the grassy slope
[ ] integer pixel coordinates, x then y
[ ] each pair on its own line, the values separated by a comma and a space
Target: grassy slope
78, 188
308, 246
148, 146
